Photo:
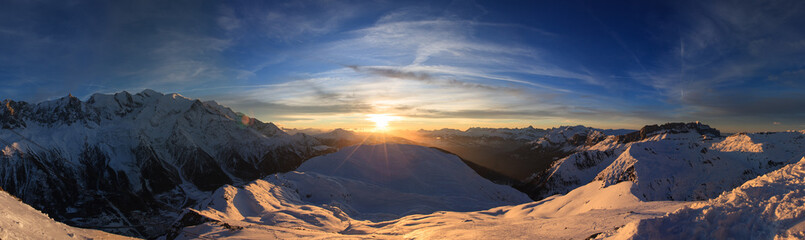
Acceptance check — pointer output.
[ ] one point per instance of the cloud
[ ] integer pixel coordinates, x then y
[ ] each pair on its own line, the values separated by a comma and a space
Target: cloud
425, 67
426, 78
393, 73
733, 59
120, 45
298, 21
453, 42
228, 20
726, 61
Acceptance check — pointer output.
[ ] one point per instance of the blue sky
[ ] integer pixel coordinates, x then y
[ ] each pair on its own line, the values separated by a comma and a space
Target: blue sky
737, 66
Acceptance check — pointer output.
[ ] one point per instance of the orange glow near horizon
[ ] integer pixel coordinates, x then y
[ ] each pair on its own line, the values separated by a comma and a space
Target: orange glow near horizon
381, 121
394, 122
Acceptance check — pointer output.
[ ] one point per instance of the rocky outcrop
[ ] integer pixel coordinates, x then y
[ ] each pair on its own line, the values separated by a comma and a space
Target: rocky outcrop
674, 128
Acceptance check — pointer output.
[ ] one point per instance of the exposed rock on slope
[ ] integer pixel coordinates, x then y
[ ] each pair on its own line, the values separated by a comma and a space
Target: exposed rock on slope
672, 128
20, 222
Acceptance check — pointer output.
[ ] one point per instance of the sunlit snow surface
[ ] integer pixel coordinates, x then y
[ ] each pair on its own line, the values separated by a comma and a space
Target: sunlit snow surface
403, 191
771, 206
19, 221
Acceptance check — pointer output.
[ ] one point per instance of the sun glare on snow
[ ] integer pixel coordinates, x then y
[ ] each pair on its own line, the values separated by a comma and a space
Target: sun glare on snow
381, 121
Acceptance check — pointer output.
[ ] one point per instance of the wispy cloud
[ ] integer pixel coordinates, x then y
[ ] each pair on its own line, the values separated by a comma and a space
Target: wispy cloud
420, 66
426, 78
305, 60
733, 59
295, 21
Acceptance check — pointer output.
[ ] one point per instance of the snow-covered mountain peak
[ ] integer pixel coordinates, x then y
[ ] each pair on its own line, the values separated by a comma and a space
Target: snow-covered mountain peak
150, 93
572, 136
337, 133
158, 152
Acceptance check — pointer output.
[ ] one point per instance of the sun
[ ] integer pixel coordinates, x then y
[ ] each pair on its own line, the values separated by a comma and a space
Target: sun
381, 121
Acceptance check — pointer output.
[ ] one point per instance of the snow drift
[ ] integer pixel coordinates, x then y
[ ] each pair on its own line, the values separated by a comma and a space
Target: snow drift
771, 206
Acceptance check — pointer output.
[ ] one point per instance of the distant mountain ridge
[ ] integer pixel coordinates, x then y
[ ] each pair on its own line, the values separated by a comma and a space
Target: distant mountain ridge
514, 153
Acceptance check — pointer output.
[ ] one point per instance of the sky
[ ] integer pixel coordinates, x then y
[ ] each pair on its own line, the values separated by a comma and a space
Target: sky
735, 65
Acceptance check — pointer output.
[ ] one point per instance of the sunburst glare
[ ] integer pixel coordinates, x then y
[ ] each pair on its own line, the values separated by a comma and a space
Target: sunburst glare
381, 121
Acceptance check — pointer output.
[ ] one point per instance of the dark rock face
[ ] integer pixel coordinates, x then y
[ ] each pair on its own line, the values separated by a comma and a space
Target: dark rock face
651, 130
543, 183
11, 114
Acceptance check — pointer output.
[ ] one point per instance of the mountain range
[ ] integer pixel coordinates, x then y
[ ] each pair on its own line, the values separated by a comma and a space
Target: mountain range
155, 165
130, 162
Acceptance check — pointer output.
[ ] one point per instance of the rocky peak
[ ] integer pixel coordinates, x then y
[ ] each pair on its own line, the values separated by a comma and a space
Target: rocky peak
10, 114
268, 129
66, 110
673, 128
150, 93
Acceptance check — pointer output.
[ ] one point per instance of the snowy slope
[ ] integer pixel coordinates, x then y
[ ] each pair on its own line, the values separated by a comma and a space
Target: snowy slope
673, 163
513, 153
134, 159
771, 206
359, 184
618, 180
19, 221
581, 213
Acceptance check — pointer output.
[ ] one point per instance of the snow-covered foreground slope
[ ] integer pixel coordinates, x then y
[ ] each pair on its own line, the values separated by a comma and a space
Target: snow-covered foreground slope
416, 192
581, 213
19, 221
397, 179
771, 206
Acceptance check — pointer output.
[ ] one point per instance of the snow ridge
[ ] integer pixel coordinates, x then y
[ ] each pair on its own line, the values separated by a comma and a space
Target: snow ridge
674, 164
767, 207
